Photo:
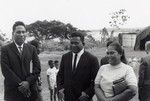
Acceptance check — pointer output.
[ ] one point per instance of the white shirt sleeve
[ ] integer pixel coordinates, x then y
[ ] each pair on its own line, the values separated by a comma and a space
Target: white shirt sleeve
131, 77
98, 76
48, 72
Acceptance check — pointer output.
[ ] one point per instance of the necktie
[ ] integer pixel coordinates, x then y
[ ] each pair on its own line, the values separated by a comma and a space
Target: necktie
74, 63
20, 50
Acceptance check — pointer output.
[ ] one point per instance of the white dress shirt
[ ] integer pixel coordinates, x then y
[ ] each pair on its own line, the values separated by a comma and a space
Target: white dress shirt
19, 46
78, 57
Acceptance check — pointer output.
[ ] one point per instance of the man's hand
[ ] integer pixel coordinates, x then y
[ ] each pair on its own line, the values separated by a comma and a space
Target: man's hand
84, 97
24, 88
61, 94
24, 84
26, 93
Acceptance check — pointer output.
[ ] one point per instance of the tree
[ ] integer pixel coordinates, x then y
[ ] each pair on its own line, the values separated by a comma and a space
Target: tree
2, 36
50, 30
104, 35
118, 18
39, 29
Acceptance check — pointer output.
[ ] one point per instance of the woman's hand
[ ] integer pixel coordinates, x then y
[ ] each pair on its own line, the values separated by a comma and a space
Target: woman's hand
99, 93
125, 95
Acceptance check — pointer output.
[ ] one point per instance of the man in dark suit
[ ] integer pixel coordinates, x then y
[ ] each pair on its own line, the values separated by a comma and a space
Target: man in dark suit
144, 76
36, 44
16, 57
78, 68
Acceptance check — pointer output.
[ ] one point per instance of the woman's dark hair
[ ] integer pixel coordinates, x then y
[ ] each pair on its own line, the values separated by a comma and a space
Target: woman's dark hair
108, 43
120, 51
123, 58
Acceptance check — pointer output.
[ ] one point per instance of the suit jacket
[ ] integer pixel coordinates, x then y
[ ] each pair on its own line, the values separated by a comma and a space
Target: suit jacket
144, 79
16, 68
80, 80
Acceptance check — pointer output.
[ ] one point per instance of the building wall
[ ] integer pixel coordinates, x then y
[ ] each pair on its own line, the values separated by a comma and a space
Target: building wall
128, 39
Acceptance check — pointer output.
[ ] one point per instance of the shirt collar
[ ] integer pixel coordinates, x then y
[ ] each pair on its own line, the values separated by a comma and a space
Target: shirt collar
18, 45
117, 66
80, 52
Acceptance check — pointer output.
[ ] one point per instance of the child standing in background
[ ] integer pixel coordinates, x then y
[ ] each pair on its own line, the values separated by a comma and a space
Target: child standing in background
51, 79
56, 65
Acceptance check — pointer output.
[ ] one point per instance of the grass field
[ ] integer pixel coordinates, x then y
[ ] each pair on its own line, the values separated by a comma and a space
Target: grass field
45, 56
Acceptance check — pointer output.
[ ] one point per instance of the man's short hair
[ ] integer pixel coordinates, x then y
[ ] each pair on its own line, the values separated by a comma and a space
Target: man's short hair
18, 23
78, 34
147, 46
56, 61
50, 62
35, 43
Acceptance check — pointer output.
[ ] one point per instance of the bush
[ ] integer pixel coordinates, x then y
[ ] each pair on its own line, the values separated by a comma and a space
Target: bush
50, 45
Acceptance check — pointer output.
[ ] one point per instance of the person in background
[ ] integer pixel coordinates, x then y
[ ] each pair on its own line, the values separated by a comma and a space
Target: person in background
56, 65
144, 78
147, 47
51, 79
36, 44
134, 63
20, 80
114, 71
78, 68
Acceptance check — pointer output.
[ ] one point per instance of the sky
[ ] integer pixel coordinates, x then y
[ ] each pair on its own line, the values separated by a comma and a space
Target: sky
83, 14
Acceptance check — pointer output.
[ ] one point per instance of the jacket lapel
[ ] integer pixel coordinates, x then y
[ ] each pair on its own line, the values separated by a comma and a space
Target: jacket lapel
70, 62
81, 62
24, 50
14, 49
